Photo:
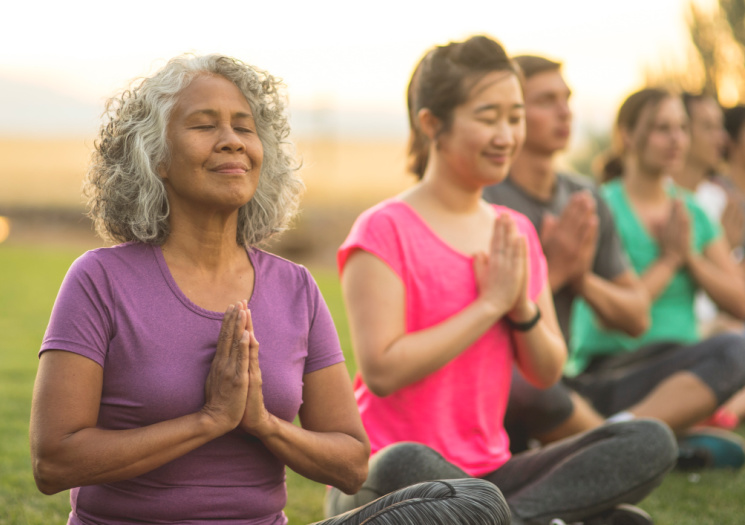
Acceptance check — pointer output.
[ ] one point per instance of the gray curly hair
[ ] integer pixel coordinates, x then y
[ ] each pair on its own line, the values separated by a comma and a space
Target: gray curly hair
127, 198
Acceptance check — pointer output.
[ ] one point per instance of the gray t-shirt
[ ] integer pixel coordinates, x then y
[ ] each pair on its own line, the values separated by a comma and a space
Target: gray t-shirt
610, 259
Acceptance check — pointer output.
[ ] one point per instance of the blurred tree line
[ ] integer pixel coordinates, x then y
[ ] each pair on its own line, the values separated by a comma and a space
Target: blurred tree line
716, 53
714, 64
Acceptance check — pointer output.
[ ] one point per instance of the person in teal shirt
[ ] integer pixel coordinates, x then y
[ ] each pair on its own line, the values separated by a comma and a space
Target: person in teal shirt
668, 372
672, 312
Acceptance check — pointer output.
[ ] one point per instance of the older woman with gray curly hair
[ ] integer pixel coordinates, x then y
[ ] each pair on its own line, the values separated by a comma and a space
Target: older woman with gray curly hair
152, 402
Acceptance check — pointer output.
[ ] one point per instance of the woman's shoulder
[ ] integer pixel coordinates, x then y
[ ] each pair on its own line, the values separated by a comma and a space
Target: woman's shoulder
389, 209
382, 220
112, 257
279, 270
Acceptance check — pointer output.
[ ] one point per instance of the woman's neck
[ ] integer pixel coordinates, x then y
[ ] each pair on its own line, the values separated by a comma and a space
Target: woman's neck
643, 186
442, 189
208, 245
534, 174
690, 176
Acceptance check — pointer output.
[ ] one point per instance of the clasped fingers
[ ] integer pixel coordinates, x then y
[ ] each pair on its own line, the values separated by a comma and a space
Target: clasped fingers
227, 383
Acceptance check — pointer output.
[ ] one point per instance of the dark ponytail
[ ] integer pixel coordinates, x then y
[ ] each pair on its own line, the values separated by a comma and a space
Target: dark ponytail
442, 80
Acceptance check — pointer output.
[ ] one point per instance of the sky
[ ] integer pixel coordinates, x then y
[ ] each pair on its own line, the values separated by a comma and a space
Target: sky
345, 63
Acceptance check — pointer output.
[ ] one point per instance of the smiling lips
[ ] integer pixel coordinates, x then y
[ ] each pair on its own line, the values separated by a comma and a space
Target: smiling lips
497, 157
231, 168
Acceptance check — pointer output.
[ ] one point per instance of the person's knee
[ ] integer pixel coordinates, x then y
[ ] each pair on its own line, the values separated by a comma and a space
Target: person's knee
406, 463
726, 374
405, 452
649, 441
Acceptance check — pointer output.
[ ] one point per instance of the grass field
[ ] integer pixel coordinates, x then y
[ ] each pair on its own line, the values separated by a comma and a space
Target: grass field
29, 279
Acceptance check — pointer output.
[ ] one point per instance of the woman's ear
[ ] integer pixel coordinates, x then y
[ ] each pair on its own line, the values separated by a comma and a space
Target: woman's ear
428, 123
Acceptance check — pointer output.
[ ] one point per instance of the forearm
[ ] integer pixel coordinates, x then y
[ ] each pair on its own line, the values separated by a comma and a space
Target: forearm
416, 355
540, 352
332, 458
92, 455
725, 288
658, 276
624, 308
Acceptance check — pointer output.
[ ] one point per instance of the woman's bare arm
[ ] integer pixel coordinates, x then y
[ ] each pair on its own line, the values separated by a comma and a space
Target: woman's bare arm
332, 446
69, 450
718, 275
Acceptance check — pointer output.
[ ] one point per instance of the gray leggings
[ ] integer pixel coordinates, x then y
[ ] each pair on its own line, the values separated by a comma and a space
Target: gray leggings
572, 479
465, 501
617, 382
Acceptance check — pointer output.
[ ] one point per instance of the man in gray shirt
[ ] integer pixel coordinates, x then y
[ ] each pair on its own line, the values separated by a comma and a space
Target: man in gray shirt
584, 254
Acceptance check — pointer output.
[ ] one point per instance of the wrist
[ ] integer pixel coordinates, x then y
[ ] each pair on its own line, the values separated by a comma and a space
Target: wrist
522, 312
210, 424
578, 283
489, 309
673, 261
522, 321
264, 429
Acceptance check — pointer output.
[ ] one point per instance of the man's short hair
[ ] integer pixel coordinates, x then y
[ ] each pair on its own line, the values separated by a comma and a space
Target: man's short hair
532, 65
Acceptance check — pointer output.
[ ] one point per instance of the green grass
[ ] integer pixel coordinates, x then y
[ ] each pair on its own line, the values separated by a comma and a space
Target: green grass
29, 280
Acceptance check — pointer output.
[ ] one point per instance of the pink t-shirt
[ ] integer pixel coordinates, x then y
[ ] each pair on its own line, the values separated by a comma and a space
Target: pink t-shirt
459, 409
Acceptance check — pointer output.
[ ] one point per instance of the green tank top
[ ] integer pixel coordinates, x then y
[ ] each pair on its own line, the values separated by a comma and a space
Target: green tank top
672, 313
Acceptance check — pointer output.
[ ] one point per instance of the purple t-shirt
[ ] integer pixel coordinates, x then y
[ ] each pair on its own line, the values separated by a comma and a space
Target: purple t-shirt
121, 308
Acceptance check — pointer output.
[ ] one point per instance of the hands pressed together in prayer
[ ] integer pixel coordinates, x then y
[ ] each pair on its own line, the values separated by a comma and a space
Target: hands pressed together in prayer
674, 235
570, 241
233, 390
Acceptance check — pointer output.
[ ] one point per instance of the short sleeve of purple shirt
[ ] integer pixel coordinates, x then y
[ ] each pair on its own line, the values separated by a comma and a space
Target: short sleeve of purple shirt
120, 307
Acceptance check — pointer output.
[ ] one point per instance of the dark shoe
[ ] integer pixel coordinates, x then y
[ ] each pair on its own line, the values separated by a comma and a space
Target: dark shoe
691, 458
712, 448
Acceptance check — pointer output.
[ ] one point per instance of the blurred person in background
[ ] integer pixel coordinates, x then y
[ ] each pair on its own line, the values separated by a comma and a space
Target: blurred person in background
701, 174
445, 293
584, 255
732, 179
150, 403
669, 372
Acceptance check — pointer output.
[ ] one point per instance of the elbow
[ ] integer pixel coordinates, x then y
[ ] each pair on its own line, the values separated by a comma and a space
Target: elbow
640, 319
47, 477
379, 389
356, 478
639, 325
547, 377
549, 380
739, 311
379, 383
357, 469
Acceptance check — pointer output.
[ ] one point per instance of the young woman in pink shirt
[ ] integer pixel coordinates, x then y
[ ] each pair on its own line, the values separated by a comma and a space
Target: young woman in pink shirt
445, 292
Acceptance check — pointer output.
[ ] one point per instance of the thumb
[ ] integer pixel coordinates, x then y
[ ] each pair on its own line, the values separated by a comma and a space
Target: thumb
480, 262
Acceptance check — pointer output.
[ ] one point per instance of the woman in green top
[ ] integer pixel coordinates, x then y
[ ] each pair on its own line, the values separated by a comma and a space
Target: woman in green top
668, 372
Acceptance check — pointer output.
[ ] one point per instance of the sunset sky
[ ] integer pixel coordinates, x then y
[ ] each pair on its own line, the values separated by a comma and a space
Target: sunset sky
343, 56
